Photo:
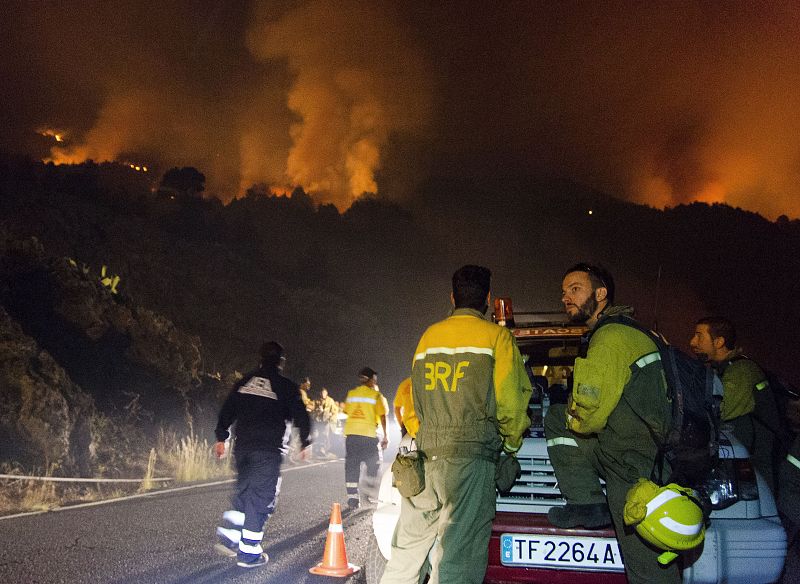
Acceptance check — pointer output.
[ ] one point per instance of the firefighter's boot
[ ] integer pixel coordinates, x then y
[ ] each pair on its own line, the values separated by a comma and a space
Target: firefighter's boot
590, 516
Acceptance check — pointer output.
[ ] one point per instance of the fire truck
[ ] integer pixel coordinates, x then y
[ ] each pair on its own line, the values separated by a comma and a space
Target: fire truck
745, 542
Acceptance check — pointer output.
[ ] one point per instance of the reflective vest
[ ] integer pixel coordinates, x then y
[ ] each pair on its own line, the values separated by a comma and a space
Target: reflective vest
363, 407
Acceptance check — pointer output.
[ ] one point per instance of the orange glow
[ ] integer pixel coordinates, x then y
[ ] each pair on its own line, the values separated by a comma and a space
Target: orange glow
713, 192
281, 191
57, 135
656, 192
80, 155
653, 191
136, 167
75, 155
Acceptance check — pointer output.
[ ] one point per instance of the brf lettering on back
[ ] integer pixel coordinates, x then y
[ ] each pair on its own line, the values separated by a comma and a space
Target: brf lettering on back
442, 374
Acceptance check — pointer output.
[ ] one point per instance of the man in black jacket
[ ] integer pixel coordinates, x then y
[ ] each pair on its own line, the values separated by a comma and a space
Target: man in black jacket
261, 404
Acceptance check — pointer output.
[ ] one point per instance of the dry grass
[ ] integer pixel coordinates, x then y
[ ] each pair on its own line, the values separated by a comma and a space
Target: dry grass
21, 495
147, 481
191, 459
40, 495
185, 459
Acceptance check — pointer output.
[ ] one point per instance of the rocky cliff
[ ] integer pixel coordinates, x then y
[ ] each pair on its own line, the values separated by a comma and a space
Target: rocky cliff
44, 416
79, 362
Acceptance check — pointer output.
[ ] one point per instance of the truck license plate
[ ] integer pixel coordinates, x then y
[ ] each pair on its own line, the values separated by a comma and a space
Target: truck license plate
564, 552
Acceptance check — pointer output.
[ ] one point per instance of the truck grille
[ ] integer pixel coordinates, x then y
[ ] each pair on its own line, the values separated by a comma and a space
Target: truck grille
536, 490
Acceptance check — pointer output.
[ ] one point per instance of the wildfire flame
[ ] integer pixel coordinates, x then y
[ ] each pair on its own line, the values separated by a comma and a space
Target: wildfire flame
57, 135
280, 191
77, 155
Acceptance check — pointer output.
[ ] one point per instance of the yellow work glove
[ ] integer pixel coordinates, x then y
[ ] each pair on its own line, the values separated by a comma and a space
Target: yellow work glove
637, 499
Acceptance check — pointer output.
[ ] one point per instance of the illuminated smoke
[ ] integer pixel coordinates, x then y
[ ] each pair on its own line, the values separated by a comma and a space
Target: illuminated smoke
142, 121
672, 103
57, 135
661, 103
356, 80
193, 95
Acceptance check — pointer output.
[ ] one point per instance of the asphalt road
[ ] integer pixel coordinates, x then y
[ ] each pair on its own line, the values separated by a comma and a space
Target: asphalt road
168, 537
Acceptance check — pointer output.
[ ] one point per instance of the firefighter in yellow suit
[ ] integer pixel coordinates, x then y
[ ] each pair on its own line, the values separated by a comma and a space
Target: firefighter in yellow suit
470, 394
404, 409
365, 408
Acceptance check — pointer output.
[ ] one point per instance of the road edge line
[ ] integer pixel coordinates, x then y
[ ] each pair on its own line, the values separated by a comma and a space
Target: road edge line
150, 494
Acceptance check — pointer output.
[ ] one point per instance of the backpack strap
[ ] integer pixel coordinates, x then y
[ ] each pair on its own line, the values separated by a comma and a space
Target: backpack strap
657, 472
728, 362
633, 323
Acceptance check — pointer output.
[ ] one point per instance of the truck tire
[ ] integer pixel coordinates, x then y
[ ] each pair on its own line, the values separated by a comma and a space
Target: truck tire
376, 563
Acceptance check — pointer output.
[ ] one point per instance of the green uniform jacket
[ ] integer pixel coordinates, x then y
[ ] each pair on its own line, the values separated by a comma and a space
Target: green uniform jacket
741, 378
470, 388
615, 356
618, 414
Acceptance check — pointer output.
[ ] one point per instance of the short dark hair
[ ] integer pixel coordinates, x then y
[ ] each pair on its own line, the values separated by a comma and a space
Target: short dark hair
271, 353
598, 276
719, 326
471, 284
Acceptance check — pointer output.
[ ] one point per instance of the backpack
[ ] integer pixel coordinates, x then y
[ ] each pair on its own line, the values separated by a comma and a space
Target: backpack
769, 405
691, 446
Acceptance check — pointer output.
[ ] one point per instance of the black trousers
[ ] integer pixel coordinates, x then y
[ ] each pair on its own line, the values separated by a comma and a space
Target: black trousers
360, 449
256, 486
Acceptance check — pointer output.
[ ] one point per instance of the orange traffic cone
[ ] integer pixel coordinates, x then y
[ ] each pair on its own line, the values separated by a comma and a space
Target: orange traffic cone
334, 560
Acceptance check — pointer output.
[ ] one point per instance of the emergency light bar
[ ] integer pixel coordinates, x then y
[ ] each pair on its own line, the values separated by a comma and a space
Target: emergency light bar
534, 324
503, 311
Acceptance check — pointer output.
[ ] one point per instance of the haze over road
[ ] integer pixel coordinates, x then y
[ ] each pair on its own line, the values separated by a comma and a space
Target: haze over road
169, 537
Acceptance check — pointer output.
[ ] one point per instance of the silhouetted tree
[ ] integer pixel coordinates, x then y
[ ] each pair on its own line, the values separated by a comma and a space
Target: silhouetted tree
257, 191
301, 200
183, 182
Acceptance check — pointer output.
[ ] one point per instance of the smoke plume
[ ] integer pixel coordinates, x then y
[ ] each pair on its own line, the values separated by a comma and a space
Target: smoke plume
661, 103
356, 80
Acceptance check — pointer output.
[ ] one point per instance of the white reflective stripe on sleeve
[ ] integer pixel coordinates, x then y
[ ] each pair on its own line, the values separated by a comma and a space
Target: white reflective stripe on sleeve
793, 460
335, 528
235, 517
250, 549
252, 535
762, 385
647, 359
362, 400
681, 528
562, 442
660, 499
454, 351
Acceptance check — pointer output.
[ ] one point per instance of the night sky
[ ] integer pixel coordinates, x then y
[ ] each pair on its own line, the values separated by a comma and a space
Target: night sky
657, 102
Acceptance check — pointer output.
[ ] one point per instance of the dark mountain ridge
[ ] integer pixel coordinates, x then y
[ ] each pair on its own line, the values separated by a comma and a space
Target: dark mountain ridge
344, 290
